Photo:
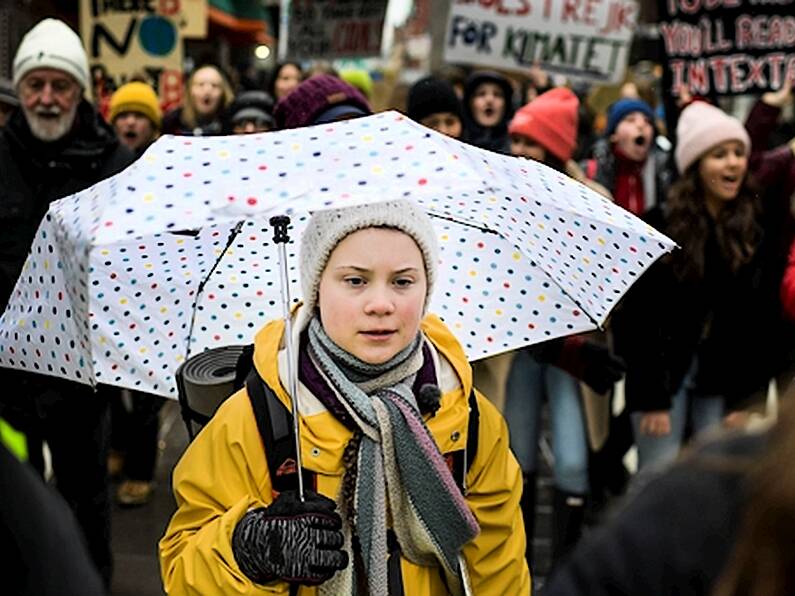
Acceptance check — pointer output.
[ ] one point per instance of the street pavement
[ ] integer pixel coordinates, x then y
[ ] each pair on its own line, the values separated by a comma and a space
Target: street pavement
137, 530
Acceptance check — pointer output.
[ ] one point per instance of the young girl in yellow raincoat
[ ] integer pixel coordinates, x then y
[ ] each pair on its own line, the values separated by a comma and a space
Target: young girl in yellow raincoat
383, 399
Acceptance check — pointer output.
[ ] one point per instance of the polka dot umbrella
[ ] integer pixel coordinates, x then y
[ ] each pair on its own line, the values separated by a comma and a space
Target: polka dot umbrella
174, 255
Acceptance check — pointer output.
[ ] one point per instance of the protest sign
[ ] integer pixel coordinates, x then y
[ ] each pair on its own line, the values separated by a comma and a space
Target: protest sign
728, 47
136, 38
582, 39
331, 29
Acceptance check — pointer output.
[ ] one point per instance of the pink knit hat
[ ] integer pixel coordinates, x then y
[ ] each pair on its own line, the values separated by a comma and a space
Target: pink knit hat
551, 121
701, 127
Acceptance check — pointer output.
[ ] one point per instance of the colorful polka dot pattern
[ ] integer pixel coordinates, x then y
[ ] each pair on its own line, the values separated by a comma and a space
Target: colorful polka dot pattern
108, 292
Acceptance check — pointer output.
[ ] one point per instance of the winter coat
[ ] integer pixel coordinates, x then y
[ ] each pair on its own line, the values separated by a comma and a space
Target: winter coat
224, 472
33, 174
730, 322
173, 125
44, 552
675, 537
657, 172
774, 172
774, 168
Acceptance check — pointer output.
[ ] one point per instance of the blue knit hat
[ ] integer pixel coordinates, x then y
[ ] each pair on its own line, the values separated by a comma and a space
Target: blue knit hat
623, 108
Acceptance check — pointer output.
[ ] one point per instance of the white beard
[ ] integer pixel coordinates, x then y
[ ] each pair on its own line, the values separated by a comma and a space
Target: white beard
50, 129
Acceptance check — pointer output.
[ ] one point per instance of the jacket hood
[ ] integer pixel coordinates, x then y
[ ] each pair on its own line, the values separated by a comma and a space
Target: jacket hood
269, 342
494, 138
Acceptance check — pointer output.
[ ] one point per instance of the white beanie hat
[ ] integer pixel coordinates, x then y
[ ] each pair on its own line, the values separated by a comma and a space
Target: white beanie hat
326, 229
51, 44
701, 127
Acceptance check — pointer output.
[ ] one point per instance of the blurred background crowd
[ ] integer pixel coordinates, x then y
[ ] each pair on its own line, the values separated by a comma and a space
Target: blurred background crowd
702, 342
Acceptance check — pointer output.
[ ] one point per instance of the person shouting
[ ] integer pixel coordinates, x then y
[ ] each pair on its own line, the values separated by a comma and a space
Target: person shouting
136, 116
208, 94
488, 107
700, 331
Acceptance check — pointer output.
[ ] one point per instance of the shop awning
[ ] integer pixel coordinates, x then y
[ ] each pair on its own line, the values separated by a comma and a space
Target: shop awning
247, 20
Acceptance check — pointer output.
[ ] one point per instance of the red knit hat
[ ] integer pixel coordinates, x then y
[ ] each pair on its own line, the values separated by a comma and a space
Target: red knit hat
551, 121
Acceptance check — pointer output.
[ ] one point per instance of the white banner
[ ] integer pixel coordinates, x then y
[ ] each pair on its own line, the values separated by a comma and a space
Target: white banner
582, 39
331, 29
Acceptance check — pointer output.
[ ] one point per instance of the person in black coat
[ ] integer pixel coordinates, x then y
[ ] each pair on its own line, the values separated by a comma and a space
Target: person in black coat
699, 330
44, 553
53, 146
675, 536
719, 522
488, 108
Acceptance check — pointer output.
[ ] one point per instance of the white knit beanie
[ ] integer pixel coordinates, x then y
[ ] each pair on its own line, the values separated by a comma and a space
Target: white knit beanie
326, 229
701, 127
51, 44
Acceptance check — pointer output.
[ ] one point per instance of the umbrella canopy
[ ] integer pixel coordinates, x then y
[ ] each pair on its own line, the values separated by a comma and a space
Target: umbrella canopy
174, 255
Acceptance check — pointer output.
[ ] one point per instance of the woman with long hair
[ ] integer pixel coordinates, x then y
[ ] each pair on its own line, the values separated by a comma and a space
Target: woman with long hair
207, 95
699, 333
286, 76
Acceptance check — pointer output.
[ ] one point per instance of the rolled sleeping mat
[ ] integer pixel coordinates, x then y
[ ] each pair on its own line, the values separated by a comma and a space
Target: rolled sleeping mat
204, 381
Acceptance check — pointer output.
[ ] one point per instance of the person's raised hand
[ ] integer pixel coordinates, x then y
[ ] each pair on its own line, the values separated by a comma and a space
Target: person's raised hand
656, 424
780, 98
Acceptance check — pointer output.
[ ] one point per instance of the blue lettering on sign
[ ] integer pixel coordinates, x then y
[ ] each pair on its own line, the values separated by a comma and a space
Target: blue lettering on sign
471, 33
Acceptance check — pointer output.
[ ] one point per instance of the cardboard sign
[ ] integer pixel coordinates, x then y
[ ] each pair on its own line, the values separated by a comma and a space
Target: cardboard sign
728, 47
136, 38
582, 39
331, 29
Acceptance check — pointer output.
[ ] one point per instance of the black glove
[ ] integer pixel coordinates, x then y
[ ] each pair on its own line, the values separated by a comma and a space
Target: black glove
293, 541
600, 368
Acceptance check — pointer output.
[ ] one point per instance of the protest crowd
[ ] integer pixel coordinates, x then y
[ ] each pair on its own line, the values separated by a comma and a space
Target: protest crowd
651, 454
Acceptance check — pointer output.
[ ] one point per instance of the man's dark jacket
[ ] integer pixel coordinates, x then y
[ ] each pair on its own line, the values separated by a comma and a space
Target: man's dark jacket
34, 173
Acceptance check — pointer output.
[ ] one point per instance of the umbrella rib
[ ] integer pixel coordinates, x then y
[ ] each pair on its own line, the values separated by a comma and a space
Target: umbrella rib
232, 235
463, 223
596, 323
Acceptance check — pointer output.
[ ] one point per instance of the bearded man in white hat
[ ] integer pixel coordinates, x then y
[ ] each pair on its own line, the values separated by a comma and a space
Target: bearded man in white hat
54, 145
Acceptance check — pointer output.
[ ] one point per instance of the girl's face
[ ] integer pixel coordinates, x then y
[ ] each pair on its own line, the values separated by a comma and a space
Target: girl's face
289, 78
722, 170
633, 136
206, 91
446, 123
372, 293
488, 104
522, 146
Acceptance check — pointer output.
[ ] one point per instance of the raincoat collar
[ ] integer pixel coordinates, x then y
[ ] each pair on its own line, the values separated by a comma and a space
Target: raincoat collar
270, 359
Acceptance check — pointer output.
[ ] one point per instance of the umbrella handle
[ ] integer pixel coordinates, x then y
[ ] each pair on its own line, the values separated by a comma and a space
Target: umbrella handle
281, 238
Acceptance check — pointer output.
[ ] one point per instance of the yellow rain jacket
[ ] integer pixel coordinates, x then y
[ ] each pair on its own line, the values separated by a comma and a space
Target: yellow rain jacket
224, 473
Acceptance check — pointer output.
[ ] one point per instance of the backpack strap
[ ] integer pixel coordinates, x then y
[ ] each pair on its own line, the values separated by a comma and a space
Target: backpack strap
275, 425
473, 431
461, 461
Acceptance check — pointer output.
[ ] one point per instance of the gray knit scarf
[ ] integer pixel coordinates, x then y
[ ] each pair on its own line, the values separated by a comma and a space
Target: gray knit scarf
398, 463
